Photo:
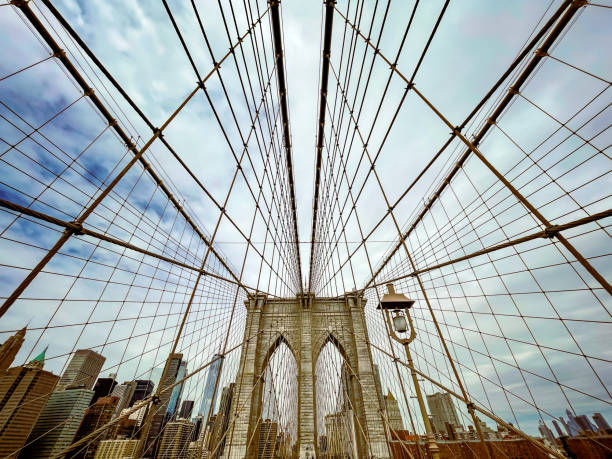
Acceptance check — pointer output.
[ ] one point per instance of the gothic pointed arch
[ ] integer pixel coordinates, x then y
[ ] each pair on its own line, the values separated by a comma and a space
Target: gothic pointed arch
330, 337
281, 339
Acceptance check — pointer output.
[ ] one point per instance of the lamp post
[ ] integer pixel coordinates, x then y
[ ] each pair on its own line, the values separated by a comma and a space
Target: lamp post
397, 303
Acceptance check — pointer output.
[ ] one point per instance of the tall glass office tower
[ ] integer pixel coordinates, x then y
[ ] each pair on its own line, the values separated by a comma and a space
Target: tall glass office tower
178, 390
208, 404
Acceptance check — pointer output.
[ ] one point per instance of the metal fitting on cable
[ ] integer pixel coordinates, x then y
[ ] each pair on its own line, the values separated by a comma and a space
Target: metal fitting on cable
541, 53
551, 231
512, 90
75, 227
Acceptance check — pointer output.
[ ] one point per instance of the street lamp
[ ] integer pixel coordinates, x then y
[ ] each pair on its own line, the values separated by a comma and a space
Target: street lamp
399, 322
400, 305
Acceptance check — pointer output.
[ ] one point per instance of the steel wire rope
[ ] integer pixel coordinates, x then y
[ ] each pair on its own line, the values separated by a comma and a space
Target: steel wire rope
245, 150
371, 270
512, 67
217, 117
548, 299
123, 93
242, 86
279, 144
471, 147
322, 101
397, 368
73, 34
477, 326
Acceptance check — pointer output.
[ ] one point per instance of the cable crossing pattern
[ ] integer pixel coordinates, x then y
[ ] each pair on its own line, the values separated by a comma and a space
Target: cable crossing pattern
155, 297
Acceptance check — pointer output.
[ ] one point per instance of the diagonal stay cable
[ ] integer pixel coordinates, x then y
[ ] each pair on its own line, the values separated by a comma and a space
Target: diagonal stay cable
138, 154
282, 89
472, 146
140, 113
509, 71
217, 116
80, 230
329, 19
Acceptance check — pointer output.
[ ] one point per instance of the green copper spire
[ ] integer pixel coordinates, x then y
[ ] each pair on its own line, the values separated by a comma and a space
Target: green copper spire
39, 360
41, 357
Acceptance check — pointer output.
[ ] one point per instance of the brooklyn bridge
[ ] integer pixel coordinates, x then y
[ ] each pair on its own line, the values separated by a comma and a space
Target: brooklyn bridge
337, 229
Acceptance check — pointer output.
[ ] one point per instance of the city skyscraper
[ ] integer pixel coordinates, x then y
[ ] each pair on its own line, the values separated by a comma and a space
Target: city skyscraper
351, 432
58, 423
602, 424
104, 387
173, 363
186, 409
206, 437
38, 361
573, 426
175, 440
125, 428
442, 410
268, 431
335, 433
208, 403
222, 419
125, 392
24, 391
10, 348
394, 415
138, 415
345, 410
96, 416
283, 445
571, 431
83, 369
197, 422
142, 389
585, 424
177, 392
116, 449
560, 432
545, 432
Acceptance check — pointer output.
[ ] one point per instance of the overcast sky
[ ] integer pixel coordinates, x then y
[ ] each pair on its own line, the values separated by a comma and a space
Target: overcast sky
476, 41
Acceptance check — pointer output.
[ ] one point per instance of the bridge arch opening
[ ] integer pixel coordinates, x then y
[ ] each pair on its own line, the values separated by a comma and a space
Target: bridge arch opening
277, 429
336, 427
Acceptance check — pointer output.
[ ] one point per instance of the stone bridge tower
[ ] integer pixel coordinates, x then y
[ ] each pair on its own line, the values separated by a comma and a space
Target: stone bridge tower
304, 325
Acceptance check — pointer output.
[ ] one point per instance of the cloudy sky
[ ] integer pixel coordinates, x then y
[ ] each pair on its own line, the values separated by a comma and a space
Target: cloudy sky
475, 42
